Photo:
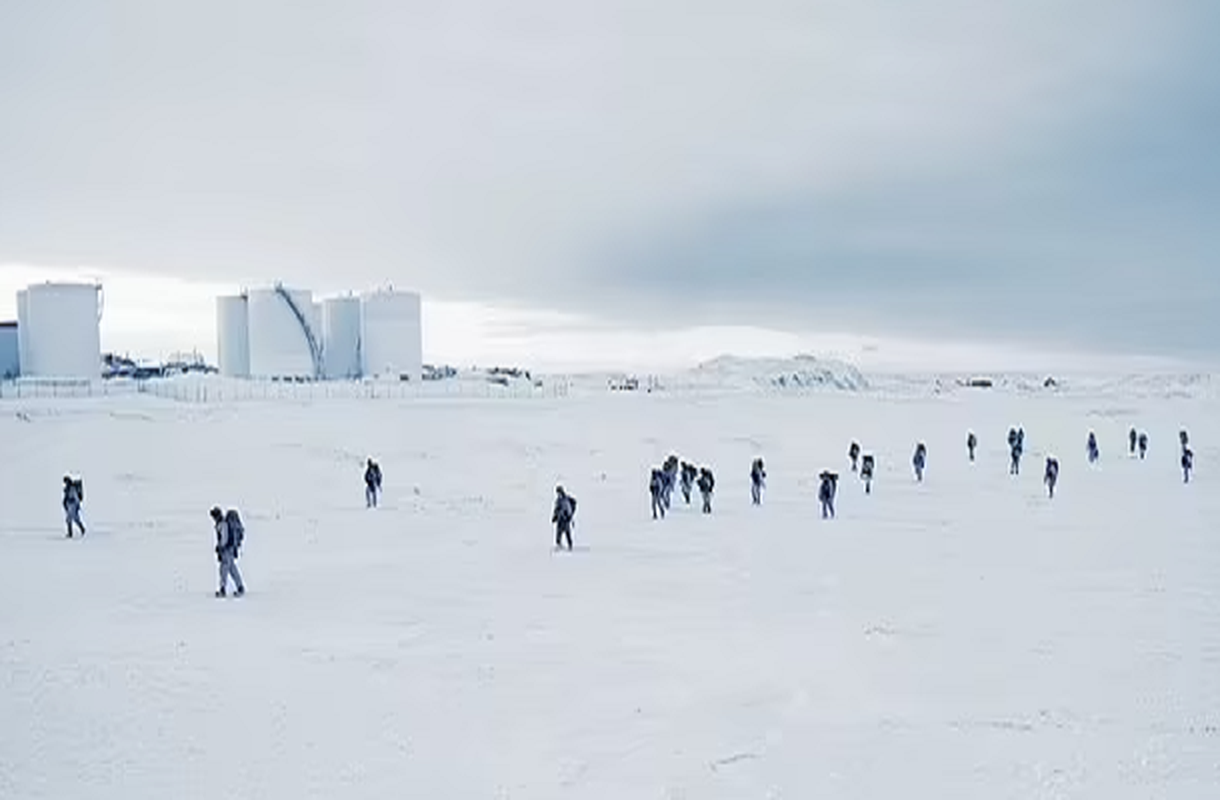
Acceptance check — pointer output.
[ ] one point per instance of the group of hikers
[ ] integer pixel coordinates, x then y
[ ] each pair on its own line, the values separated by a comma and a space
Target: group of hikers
230, 531
675, 472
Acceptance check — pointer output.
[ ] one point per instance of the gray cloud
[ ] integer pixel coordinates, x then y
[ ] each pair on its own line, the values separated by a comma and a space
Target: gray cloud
1011, 168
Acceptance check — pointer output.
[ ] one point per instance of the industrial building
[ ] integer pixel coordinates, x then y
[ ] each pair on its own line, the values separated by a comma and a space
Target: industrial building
10, 351
284, 333
57, 333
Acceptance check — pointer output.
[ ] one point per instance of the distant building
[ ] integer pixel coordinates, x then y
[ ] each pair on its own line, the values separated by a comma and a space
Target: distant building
58, 330
10, 351
284, 334
391, 338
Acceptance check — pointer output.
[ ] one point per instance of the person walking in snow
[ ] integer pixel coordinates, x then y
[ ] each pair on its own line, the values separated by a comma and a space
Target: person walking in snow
1094, 453
920, 460
74, 498
372, 483
656, 488
563, 516
669, 478
1132, 439
826, 493
1016, 443
227, 546
1143, 445
707, 485
866, 472
1051, 477
972, 442
853, 453
688, 475
1188, 463
758, 480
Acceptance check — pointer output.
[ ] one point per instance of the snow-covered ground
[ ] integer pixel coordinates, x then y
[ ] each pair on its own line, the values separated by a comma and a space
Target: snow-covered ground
965, 637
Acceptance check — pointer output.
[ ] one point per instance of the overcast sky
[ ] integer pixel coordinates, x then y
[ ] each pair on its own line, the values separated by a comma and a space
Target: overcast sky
1039, 171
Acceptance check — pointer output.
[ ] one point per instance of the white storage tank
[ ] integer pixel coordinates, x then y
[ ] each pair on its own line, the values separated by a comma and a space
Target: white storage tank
58, 330
341, 338
284, 334
233, 336
10, 351
392, 335
23, 319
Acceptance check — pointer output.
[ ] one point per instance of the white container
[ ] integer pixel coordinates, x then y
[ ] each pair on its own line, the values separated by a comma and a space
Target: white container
233, 336
341, 338
392, 335
284, 335
23, 320
58, 330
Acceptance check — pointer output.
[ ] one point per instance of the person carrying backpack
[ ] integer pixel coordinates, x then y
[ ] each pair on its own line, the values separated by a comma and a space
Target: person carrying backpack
853, 453
707, 485
1143, 445
74, 497
1188, 463
656, 488
867, 468
972, 443
920, 460
1016, 442
1051, 478
230, 534
563, 517
689, 474
826, 493
758, 481
372, 483
669, 478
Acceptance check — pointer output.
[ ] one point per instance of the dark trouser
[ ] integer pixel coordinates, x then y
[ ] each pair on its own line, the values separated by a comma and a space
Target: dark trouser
658, 507
1015, 469
1050, 485
228, 568
707, 502
563, 530
1186, 475
756, 493
868, 486
971, 453
370, 496
828, 508
686, 490
72, 515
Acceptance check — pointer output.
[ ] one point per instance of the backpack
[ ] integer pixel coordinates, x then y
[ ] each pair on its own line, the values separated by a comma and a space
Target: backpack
564, 511
237, 531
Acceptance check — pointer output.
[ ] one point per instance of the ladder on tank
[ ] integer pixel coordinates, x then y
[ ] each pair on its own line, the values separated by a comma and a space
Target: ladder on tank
315, 349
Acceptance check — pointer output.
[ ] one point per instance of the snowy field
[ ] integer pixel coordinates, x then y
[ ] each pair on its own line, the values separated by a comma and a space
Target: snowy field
963, 638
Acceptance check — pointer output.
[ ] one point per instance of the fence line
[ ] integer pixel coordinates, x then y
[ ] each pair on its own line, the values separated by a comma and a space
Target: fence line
226, 391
